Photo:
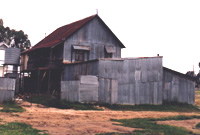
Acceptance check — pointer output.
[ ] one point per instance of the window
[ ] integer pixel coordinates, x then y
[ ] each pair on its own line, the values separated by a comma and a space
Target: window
80, 53
109, 50
108, 55
79, 56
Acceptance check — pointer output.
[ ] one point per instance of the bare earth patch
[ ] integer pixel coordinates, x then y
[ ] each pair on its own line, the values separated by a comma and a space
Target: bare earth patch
72, 122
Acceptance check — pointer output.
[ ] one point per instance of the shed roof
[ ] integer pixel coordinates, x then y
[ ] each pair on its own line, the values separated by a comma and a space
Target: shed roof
61, 34
179, 74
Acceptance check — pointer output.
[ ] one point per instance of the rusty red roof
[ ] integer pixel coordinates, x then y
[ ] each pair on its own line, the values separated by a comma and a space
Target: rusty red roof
62, 33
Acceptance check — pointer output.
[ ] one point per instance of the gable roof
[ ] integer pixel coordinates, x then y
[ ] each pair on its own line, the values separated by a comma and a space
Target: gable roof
61, 34
3, 45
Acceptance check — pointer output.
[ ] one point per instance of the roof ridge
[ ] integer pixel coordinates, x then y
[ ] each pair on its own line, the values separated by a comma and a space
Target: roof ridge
64, 31
76, 21
65, 26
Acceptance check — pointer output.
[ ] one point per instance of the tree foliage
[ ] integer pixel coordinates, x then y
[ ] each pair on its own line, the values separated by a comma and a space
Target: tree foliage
13, 38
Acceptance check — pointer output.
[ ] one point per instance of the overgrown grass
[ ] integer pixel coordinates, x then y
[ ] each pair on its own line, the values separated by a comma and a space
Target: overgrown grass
166, 107
16, 128
50, 101
10, 107
148, 126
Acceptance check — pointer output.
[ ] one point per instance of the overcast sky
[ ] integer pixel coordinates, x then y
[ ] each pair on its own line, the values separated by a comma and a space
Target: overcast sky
170, 28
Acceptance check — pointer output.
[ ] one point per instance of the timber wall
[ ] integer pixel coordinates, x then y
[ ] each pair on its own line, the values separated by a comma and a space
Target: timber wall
74, 70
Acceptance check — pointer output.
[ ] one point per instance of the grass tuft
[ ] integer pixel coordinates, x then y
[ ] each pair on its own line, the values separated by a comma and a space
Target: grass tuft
10, 107
197, 125
150, 127
16, 128
167, 107
50, 101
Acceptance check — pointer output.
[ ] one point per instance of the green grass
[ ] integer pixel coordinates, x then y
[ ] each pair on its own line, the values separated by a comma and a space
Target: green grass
179, 117
10, 107
166, 107
49, 101
148, 126
197, 125
16, 128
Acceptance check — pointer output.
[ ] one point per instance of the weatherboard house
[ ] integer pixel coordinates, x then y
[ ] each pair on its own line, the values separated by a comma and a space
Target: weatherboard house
82, 62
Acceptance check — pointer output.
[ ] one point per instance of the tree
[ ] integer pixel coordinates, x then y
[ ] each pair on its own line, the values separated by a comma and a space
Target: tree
13, 38
1, 22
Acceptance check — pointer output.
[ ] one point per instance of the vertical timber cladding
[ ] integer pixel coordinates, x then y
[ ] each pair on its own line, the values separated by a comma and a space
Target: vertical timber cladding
139, 81
177, 87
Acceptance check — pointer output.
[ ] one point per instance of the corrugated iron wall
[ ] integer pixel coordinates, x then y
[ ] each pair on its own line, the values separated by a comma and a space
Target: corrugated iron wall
139, 80
134, 81
95, 36
7, 89
85, 90
177, 89
129, 81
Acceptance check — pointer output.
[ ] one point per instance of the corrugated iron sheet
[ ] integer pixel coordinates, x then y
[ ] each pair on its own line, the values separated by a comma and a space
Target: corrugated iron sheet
62, 33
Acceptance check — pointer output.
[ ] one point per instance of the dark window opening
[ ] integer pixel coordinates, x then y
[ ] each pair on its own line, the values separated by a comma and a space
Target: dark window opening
108, 55
79, 56
109, 51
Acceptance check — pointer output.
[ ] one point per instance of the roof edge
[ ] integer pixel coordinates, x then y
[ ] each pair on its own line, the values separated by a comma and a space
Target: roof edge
122, 45
180, 74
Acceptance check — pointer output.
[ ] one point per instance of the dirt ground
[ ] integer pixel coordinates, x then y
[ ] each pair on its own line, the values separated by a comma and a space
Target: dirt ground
73, 122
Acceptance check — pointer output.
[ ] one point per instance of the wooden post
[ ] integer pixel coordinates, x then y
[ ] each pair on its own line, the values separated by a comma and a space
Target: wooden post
23, 82
3, 71
38, 82
49, 82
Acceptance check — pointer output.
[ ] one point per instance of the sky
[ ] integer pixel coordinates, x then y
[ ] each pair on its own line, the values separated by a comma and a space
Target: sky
170, 28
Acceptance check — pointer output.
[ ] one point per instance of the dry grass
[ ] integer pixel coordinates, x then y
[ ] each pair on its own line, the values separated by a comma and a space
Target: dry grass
197, 97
